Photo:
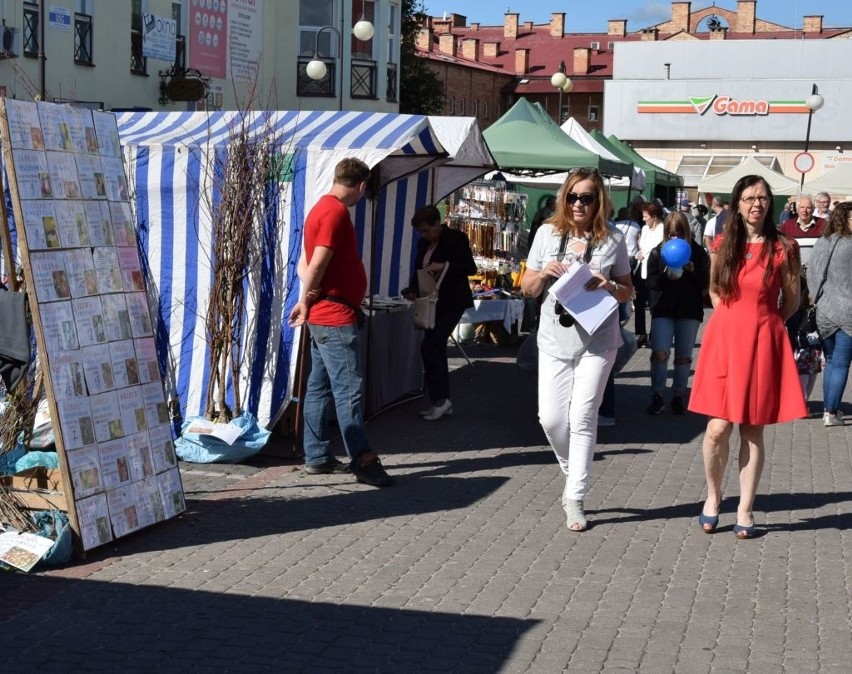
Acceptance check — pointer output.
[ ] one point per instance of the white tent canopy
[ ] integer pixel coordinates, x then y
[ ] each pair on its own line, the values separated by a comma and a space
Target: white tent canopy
723, 183
584, 138
837, 182
469, 154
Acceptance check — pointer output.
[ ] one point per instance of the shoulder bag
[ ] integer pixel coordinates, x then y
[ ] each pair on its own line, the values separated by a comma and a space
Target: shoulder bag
809, 320
425, 307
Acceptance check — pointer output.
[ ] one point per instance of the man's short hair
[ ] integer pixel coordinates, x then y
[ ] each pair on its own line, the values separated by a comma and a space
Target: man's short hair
351, 172
718, 201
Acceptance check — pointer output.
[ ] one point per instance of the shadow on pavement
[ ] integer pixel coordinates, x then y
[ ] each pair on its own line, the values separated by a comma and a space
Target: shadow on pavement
91, 625
799, 501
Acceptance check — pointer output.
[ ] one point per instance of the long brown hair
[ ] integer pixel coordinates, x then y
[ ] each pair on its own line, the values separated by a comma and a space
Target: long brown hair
562, 219
839, 221
676, 218
730, 255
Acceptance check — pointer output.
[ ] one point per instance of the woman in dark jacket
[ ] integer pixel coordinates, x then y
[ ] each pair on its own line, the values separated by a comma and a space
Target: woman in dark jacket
437, 247
676, 298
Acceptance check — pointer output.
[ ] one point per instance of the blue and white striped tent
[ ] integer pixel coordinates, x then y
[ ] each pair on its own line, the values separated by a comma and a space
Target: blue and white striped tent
169, 156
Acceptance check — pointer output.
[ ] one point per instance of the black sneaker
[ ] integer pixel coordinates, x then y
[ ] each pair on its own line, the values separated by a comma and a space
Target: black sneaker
372, 473
327, 468
656, 405
678, 406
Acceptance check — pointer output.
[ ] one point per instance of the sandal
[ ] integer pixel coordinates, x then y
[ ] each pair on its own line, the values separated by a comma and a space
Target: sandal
744, 533
574, 515
708, 523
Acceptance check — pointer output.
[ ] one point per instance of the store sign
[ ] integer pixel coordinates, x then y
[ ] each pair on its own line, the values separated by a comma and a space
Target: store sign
723, 106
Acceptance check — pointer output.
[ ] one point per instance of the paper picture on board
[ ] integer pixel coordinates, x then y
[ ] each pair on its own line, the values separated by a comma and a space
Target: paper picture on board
40, 224
93, 518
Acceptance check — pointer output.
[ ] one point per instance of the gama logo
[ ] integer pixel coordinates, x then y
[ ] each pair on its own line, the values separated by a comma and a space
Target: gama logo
723, 105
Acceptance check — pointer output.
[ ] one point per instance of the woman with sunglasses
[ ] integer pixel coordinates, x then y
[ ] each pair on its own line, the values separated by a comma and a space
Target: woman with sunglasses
573, 365
676, 297
746, 374
832, 260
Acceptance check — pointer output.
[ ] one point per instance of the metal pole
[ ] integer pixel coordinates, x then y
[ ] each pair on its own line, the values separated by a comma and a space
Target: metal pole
814, 91
41, 57
559, 109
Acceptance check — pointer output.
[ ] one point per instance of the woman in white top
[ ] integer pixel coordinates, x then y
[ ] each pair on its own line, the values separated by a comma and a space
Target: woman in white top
573, 365
650, 237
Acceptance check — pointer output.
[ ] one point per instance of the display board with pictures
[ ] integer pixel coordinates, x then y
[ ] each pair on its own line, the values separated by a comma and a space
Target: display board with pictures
92, 318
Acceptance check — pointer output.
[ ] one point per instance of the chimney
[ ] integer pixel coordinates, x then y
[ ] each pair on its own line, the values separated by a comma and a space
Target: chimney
649, 34
522, 61
581, 60
812, 24
746, 16
510, 25
557, 24
491, 49
528, 26
470, 48
447, 44
474, 26
617, 27
424, 39
680, 17
720, 33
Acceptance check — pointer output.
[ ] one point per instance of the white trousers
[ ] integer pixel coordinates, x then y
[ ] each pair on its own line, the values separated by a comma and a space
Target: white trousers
569, 394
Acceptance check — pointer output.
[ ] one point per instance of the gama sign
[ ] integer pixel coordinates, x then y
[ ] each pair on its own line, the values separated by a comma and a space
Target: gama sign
723, 105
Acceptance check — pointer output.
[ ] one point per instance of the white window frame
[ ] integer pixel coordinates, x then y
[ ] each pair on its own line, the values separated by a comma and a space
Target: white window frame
328, 40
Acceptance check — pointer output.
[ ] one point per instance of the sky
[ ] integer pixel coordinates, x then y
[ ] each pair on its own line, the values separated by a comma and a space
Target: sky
583, 16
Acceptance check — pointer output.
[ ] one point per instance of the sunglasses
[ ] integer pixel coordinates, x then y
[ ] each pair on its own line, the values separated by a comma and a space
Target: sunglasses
585, 199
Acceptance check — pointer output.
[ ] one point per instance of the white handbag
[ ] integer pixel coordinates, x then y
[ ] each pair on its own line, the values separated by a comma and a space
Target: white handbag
425, 307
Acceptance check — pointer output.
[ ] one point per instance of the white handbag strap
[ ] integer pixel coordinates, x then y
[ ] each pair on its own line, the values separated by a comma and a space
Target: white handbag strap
441, 276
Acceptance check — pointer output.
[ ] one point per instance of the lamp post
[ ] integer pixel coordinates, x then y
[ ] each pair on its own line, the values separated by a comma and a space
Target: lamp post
316, 68
561, 81
814, 103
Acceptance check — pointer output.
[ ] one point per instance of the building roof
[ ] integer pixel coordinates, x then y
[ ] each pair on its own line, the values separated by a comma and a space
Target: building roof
546, 49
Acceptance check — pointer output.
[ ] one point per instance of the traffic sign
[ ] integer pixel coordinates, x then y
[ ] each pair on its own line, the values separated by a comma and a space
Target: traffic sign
804, 162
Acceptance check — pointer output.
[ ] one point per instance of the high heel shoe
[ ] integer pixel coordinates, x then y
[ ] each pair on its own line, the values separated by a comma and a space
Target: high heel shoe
439, 411
743, 532
708, 523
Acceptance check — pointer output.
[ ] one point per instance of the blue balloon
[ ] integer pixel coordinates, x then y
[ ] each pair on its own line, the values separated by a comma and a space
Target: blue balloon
676, 253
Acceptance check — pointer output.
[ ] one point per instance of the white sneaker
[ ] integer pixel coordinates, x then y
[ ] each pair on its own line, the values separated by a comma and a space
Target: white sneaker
439, 411
426, 412
829, 419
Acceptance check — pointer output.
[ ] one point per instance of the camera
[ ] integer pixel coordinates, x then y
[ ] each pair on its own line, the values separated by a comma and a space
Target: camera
566, 320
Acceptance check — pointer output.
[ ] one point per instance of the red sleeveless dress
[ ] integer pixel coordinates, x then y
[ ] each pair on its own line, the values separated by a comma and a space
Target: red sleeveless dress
745, 371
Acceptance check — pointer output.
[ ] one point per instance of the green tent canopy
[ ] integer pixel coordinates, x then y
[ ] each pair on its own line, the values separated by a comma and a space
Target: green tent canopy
526, 141
655, 176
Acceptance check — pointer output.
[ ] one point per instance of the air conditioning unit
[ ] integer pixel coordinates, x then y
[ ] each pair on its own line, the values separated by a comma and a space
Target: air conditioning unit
11, 43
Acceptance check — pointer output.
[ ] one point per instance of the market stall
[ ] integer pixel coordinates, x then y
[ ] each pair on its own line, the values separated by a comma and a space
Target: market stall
173, 158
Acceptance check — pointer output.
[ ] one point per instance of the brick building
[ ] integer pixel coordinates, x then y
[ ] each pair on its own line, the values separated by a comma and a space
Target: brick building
485, 69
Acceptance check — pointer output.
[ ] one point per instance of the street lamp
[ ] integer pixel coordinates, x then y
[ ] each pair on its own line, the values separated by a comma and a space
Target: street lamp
316, 69
814, 103
561, 81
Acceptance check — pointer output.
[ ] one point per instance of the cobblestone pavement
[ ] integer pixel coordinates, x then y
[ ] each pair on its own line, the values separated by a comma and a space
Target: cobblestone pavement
466, 564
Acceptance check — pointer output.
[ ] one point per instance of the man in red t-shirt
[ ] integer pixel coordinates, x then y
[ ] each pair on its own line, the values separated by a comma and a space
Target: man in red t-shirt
333, 285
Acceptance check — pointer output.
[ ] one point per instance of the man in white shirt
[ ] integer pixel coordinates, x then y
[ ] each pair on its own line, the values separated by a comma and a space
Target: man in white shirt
822, 205
715, 224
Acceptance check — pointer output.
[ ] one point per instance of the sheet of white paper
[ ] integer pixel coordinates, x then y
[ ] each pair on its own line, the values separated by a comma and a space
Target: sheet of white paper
590, 308
229, 433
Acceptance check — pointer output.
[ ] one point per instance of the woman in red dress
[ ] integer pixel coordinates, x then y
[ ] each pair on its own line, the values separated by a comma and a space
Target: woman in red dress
746, 374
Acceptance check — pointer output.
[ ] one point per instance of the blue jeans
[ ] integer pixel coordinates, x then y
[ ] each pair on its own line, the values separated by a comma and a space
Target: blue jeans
682, 332
838, 354
335, 377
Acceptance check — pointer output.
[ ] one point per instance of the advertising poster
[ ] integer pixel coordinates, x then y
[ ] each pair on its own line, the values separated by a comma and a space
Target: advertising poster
93, 516
206, 37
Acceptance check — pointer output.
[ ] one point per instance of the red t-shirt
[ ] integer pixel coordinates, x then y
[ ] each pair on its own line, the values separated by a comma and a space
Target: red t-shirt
328, 224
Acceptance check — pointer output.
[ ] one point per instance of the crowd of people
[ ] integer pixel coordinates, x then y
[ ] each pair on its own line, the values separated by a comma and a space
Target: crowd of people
741, 262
